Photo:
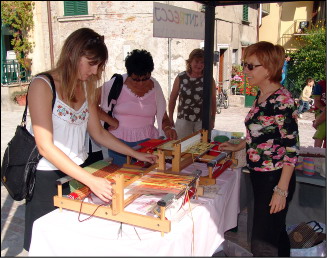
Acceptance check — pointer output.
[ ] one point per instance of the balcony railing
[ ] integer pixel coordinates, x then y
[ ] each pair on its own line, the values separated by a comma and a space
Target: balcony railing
12, 73
299, 28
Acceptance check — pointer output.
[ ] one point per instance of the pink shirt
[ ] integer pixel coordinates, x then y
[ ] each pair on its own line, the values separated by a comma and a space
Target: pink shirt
136, 116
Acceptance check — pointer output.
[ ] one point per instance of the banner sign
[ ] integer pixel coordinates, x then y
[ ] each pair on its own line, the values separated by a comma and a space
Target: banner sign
175, 22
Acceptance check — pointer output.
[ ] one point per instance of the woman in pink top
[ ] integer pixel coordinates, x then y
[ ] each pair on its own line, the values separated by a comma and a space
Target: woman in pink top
140, 103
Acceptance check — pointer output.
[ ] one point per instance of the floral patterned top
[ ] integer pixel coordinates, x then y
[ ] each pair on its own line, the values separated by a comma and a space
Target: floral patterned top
190, 98
272, 136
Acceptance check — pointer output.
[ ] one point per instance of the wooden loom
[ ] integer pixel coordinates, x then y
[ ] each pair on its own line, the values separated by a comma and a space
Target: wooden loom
195, 148
116, 211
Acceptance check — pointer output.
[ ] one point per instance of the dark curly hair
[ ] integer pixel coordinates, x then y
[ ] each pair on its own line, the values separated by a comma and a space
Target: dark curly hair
139, 62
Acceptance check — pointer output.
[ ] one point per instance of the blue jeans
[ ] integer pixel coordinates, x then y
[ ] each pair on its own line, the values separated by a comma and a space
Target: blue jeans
120, 159
303, 107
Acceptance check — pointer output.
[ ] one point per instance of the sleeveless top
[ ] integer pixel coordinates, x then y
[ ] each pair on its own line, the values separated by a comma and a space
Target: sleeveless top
136, 116
190, 98
69, 129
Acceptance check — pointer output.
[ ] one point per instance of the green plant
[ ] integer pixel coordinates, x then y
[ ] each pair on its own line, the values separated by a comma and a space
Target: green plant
17, 94
241, 82
309, 61
236, 69
18, 16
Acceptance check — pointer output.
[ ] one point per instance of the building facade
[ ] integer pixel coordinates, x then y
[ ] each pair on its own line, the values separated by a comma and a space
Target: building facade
128, 25
284, 23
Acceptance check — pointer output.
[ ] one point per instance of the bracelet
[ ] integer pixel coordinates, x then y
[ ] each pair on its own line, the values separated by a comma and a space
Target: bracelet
170, 127
280, 191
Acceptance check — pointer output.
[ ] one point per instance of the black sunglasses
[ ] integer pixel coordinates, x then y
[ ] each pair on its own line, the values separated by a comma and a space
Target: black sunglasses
140, 80
249, 66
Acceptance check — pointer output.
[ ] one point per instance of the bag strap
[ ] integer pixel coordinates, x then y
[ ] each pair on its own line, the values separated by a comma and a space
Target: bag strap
23, 123
316, 226
114, 94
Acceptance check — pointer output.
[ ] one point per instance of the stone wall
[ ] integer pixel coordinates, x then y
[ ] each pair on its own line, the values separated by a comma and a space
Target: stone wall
236, 100
6, 103
127, 25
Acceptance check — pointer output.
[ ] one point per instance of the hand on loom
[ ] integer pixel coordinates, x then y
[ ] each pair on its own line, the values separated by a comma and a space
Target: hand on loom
170, 133
101, 187
147, 157
229, 146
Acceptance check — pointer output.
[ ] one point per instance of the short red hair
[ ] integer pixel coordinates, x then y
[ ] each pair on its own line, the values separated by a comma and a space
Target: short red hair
270, 56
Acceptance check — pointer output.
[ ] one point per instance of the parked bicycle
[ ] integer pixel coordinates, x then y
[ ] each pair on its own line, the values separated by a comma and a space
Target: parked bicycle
222, 99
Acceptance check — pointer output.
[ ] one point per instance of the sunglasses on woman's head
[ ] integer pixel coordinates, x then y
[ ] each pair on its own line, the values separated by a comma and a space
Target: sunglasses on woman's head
249, 66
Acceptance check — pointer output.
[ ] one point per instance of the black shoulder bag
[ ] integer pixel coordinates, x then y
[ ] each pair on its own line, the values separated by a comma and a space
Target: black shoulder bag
114, 94
21, 158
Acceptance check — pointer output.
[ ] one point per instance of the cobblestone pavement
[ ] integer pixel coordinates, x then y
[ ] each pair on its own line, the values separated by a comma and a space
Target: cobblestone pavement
12, 212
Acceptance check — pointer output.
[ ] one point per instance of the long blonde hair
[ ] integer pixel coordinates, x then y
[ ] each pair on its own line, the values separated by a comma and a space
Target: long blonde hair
82, 42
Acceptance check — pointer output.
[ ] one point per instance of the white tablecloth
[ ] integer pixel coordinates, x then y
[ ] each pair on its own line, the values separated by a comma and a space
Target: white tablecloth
198, 233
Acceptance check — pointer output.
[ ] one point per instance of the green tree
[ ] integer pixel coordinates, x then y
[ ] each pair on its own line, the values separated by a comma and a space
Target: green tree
308, 61
18, 16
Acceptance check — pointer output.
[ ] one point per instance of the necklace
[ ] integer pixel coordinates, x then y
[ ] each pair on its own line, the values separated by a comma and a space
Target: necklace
268, 92
264, 96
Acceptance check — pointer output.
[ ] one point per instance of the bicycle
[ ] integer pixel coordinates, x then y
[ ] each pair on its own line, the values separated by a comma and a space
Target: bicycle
221, 99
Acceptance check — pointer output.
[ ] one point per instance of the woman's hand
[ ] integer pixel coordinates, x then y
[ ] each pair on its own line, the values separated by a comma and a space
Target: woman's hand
101, 187
232, 146
147, 157
170, 133
227, 146
277, 203
114, 123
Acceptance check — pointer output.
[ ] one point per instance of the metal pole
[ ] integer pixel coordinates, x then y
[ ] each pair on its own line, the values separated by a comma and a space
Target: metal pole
208, 61
169, 67
50, 34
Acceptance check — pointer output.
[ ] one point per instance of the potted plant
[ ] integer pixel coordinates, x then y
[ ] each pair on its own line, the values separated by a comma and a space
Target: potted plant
18, 16
19, 97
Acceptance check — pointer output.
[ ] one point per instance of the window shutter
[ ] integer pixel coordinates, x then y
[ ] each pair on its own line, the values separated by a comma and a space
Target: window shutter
245, 12
81, 8
75, 8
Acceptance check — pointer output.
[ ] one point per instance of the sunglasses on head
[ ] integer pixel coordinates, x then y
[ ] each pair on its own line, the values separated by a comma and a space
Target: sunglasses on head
249, 66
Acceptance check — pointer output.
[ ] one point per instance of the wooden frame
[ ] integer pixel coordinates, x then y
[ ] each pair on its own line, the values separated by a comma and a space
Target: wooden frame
116, 211
183, 159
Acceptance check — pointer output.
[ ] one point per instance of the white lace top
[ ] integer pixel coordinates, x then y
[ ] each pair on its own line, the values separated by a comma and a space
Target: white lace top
69, 129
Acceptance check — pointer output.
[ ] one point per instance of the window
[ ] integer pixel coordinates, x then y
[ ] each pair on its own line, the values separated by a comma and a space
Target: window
75, 8
245, 12
235, 56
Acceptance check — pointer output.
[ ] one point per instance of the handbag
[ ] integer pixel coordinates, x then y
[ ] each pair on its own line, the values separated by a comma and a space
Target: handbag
21, 158
305, 236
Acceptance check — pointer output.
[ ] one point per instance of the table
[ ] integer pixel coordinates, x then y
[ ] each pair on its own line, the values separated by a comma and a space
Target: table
198, 233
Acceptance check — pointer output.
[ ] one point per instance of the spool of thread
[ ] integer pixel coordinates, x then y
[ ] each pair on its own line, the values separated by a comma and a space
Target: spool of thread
299, 165
308, 166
